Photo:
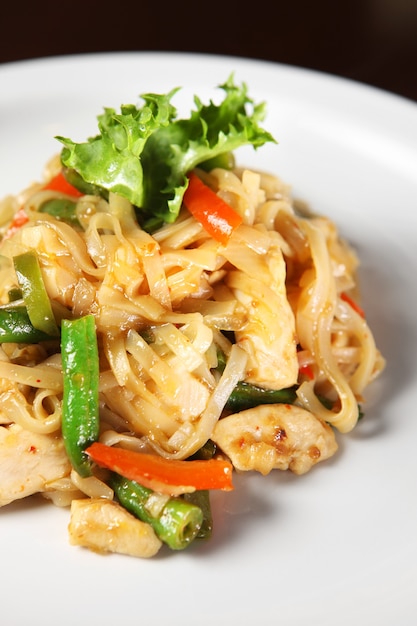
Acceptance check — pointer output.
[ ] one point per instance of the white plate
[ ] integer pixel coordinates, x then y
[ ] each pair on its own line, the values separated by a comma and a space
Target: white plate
338, 545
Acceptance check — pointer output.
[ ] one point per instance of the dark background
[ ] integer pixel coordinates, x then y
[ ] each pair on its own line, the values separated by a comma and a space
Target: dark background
370, 41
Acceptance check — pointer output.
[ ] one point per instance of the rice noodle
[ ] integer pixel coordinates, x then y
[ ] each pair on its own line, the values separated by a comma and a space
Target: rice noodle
167, 305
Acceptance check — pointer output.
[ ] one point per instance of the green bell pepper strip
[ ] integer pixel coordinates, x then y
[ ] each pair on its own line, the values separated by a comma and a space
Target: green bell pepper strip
62, 209
179, 522
80, 408
16, 327
34, 294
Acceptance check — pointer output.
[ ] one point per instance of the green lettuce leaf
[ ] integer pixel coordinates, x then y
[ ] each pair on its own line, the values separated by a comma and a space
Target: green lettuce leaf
144, 154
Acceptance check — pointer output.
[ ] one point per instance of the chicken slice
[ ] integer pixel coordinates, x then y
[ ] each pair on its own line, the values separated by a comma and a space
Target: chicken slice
28, 462
104, 526
269, 335
275, 436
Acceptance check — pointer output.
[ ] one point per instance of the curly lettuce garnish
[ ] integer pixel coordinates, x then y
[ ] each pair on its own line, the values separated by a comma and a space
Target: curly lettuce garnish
144, 154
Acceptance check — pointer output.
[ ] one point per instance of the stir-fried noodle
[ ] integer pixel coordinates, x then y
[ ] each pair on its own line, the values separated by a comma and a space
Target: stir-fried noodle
277, 301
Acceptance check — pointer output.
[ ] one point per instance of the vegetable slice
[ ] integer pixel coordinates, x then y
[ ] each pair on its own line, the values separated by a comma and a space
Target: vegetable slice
178, 523
163, 475
80, 410
246, 396
16, 327
57, 183
216, 216
201, 498
60, 183
62, 209
34, 294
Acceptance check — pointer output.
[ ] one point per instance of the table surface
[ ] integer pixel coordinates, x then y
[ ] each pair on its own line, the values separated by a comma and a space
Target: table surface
370, 41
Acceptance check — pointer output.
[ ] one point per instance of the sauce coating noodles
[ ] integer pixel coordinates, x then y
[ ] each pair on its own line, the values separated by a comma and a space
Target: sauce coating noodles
276, 301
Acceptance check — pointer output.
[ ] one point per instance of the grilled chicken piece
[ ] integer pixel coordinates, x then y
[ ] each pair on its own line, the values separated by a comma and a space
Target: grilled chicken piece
104, 526
275, 436
28, 462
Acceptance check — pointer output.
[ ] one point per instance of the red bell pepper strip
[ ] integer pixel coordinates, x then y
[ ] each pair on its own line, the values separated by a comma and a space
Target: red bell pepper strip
216, 216
353, 304
160, 474
60, 183
57, 183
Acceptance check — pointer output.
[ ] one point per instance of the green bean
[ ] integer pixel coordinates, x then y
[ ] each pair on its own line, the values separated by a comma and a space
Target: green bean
80, 412
177, 525
245, 396
201, 498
